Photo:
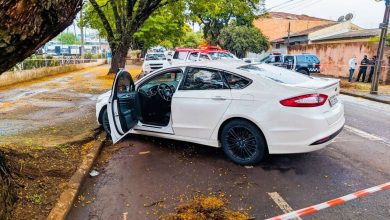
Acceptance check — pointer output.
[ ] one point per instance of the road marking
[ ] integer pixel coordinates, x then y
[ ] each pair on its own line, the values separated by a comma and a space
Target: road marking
331, 203
366, 135
283, 205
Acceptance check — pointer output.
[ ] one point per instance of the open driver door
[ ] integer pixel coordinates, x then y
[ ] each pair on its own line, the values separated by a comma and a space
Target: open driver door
122, 107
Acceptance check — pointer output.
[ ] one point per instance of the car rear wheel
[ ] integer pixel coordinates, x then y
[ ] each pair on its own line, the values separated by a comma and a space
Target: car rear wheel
242, 142
105, 122
304, 72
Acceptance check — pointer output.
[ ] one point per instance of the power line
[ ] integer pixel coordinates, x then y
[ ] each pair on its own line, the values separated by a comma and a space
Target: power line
305, 6
292, 4
268, 9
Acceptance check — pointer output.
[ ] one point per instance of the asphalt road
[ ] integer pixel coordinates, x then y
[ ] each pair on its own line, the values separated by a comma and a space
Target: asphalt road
147, 170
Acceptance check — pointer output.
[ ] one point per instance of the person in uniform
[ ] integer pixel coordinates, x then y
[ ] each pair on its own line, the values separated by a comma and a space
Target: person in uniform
363, 68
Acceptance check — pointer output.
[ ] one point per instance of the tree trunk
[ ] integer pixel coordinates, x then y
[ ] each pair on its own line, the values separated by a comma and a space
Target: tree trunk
7, 190
119, 55
26, 25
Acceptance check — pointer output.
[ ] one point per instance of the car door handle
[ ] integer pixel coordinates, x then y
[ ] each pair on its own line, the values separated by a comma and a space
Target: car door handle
219, 98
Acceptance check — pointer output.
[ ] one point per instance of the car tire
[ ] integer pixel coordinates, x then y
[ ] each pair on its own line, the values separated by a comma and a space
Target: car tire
105, 122
304, 72
243, 142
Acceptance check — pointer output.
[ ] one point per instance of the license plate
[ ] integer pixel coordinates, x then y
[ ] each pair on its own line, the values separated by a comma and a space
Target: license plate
333, 101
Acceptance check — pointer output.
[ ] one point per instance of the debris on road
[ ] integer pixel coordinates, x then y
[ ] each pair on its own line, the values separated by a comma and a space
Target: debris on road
94, 173
144, 152
205, 207
153, 203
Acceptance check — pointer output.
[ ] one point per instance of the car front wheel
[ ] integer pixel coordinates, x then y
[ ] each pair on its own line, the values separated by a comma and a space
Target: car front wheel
242, 142
105, 122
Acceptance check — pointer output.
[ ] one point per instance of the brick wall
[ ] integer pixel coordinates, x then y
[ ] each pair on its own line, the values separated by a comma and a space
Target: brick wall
275, 28
335, 56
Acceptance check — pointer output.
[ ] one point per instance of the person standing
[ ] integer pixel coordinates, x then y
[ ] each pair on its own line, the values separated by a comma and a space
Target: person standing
363, 68
352, 66
372, 68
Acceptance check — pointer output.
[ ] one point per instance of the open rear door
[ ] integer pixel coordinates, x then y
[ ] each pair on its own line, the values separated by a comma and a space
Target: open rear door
122, 108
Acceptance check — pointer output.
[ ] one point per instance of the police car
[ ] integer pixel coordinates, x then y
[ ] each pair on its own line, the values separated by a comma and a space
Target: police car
302, 63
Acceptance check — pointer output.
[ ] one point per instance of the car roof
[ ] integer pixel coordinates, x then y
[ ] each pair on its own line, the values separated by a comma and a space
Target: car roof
152, 53
230, 66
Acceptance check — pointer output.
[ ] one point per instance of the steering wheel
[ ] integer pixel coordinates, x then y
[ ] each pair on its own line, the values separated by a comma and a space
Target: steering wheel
165, 91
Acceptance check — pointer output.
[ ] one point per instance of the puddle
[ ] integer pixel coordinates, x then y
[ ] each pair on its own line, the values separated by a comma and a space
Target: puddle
18, 94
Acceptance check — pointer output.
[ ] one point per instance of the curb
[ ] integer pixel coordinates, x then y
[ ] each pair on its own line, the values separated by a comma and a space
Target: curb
67, 197
365, 97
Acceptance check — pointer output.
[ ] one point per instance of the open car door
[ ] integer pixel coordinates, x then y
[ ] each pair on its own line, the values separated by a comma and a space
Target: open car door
122, 108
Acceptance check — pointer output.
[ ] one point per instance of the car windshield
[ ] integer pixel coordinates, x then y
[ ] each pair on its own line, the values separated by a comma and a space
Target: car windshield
155, 56
222, 56
277, 74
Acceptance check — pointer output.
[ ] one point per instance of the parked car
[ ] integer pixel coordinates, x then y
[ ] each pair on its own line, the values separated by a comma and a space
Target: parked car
302, 63
248, 110
154, 61
208, 53
276, 59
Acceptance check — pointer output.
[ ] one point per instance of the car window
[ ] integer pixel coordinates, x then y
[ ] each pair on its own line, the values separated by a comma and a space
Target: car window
124, 85
193, 56
236, 82
171, 77
202, 79
203, 57
155, 56
222, 56
301, 59
313, 59
180, 55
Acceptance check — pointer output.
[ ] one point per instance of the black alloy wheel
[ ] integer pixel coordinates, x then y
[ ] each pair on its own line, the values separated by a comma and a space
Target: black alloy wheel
243, 142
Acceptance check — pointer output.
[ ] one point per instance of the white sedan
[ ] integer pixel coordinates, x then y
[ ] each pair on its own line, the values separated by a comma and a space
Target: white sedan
154, 61
249, 110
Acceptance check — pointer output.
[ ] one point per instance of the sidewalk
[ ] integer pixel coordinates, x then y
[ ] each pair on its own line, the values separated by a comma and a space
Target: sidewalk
362, 90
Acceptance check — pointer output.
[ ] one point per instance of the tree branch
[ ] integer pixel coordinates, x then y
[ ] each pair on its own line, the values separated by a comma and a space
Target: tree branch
118, 20
106, 24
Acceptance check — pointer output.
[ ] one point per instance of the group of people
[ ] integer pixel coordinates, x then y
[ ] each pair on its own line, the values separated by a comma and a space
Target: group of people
364, 64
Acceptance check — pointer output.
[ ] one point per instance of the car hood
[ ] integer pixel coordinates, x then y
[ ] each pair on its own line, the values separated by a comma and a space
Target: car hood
105, 95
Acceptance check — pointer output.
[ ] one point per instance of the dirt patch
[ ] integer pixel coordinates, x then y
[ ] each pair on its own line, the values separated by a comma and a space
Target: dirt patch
41, 175
360, 87
205, 207
44, 126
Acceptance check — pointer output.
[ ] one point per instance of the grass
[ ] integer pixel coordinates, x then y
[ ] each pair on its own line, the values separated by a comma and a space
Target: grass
362, 87
37, 199
64, 148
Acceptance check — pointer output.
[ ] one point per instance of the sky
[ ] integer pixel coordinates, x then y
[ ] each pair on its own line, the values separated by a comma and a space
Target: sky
367, 13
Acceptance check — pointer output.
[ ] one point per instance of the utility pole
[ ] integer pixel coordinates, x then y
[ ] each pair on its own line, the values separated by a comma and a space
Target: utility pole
82, 34
288, 35
381, 47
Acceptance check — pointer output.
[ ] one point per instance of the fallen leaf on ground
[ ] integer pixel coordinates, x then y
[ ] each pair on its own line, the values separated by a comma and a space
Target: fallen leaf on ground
143, 152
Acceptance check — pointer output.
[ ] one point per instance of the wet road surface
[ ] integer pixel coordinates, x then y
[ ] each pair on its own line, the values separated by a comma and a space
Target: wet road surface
145, 170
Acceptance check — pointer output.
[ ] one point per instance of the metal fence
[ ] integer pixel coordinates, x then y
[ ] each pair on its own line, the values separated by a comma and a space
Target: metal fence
28, 64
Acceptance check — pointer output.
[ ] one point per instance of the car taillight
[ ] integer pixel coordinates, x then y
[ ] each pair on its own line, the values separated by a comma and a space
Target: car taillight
310, 100
319, 67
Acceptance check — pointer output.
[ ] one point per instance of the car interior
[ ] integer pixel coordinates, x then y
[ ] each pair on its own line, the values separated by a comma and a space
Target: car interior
155, 97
